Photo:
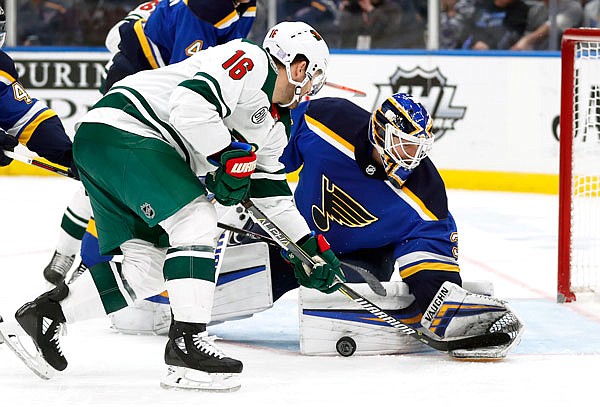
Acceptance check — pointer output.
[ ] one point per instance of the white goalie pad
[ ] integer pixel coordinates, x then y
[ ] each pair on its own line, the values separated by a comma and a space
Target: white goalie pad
244, 284
331, 324
243, 289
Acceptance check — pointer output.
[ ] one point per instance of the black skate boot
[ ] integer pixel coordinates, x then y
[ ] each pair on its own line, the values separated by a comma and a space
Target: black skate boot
58, 268
42, 319
195, 363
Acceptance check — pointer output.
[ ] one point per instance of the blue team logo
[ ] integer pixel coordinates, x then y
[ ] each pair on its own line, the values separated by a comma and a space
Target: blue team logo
430, 88
340, 207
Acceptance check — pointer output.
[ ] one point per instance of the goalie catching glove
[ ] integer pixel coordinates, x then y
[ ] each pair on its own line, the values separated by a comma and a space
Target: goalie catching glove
231, 181
327, 266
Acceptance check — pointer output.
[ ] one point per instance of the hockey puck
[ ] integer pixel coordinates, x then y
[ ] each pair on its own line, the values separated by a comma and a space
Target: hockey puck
345, 346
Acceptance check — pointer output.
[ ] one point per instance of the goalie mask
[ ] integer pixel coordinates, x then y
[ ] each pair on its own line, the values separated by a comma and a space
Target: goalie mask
286, 40
400, 131
2, 27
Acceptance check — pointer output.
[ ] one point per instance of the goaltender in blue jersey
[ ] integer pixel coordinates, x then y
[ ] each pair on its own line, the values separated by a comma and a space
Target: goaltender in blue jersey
370, 208
27, 120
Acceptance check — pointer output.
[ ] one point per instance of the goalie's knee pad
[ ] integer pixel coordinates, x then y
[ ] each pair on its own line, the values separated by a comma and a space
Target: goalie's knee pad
455, 313
151, 316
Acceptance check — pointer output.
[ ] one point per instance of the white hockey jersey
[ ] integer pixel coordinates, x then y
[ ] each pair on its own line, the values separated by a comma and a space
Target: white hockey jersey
196, 105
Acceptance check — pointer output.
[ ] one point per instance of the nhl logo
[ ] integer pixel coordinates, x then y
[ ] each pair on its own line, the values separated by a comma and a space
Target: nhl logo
148, 210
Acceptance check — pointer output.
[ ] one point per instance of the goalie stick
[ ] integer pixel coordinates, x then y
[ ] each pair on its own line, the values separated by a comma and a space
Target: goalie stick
372, 281
444, 345
40, 164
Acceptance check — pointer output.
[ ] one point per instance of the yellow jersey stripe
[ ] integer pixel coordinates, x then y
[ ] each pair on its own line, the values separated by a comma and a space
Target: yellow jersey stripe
8, 77
409, 271
418, 201
139, 31
327, 131
228, 20
30, 129
91, 228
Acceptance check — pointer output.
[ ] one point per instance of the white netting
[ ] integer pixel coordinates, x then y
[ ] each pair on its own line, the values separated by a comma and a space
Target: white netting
585, 209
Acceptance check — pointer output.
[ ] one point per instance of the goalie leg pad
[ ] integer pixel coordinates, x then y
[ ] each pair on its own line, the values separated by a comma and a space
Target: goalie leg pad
457, 313
331, 324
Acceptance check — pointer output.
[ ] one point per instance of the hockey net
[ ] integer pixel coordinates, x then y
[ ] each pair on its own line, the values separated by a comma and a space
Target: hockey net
579, 191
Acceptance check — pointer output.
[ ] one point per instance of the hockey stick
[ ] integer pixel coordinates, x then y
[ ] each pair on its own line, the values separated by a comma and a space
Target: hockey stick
477, 341
355, 92
372, 281
37, 163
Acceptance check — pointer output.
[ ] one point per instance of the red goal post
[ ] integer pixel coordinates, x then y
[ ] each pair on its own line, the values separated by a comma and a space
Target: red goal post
579, 189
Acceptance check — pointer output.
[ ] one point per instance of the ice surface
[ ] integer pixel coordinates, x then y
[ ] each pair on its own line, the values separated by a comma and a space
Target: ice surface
509, 239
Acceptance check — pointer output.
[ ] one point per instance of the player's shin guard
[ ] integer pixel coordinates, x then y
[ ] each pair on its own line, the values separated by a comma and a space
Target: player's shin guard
195, 363
456, 313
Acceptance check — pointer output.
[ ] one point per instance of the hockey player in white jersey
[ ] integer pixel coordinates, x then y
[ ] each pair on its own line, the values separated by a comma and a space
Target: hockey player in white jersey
139, 42
140, 151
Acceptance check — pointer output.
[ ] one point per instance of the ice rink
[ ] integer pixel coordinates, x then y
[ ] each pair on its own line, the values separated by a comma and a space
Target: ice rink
508, 239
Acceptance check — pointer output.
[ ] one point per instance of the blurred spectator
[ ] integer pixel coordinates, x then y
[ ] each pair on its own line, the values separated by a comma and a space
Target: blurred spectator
569, 14
591, 14
366, 24
454, 21
42, 23
497, 24
322, 16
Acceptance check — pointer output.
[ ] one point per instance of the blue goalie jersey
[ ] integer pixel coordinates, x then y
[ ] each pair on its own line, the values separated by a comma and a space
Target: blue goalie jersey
344, 194
29, 120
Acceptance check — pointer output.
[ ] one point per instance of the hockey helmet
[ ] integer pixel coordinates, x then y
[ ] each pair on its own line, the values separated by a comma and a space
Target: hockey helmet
400, 131
2, 26
286, 40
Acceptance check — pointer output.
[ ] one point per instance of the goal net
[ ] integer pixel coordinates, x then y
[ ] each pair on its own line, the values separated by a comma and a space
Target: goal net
579, 191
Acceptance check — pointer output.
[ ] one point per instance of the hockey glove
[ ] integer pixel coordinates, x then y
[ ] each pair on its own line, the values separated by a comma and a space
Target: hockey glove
231, 181
323, 275
8, 143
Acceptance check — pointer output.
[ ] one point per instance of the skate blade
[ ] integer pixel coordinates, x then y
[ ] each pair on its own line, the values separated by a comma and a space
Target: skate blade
181, 378
11, 333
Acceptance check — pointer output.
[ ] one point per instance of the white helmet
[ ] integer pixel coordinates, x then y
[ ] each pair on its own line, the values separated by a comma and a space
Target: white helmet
2, 27
289, 39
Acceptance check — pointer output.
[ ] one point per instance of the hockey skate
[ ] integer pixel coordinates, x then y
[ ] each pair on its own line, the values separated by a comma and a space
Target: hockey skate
42, 321
82, 268
455, 313
195, 363
58, 268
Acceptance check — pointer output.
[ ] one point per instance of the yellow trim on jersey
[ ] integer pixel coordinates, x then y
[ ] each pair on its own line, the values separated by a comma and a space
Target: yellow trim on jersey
329, 132
8, 76
231, 17
250, 11
139, 31
91, 228
418, 201
28, 131
409, 271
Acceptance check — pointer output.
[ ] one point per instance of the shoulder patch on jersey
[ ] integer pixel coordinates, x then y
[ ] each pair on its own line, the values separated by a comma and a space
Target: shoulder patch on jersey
260, 115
